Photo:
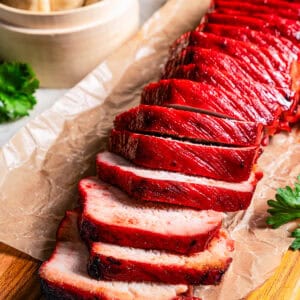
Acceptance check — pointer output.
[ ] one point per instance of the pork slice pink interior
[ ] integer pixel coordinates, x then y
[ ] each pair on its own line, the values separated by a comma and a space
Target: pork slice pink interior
117, 161
67, 267
218, 251
107, 204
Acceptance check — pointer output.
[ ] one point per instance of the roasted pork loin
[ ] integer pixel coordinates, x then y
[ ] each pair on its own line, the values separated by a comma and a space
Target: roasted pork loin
219, 99
175, 188
110, 216
262, 22
260, 98
242, 58
223, 60
113, 262
245, 60
283, 46
64, 275
233, 164
195, 126
152, 219
284, 10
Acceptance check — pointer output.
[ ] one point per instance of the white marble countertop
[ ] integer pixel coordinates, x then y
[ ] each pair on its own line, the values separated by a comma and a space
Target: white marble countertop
47, 97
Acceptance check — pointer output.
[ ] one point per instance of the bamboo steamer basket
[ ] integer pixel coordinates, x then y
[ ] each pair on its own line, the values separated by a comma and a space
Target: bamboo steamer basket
64, 46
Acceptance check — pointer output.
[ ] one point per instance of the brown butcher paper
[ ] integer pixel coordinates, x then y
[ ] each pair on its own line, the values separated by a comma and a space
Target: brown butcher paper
41, 165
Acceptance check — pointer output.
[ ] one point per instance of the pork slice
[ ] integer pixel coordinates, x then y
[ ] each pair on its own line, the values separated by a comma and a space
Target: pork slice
277, 3
110, 216
273, 68
291, 1
254, 11
174, 188
282, 9
236, 63
255, 59
233, 164
64, 275
208, 97
282, 45
190, 125
239, 72
260, 100
113, 262
294, 4
264, 23
266, 104
237, 83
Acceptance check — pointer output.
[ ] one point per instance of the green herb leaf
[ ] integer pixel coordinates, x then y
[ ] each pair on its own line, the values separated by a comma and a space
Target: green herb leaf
296, 243
17, 86
286, 208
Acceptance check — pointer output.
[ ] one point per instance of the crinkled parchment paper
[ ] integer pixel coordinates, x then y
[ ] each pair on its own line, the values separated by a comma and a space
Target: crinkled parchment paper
41, 165
258, 248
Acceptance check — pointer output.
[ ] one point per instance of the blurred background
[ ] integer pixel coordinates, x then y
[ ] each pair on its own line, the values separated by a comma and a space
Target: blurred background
46, 97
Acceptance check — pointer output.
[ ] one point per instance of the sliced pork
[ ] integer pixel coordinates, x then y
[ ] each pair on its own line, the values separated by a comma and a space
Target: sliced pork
189, 125
215, 36
64, 275
260, 100
160, 186
217, 60
209, 97
218, 162
110, 216
277, 3
152, 219
266, 104
282, 9
261, 22
283, 46
245, 58
112, 262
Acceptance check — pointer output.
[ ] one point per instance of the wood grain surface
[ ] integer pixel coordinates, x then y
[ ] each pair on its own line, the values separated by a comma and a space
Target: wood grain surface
19, 281
18, 275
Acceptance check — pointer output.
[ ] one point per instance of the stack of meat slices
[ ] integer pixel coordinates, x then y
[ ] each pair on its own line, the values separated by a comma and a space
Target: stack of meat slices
150, 224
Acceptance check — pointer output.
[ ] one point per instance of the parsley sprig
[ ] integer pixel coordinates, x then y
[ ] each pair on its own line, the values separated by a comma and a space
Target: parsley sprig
296, 243
286, 208
17, 86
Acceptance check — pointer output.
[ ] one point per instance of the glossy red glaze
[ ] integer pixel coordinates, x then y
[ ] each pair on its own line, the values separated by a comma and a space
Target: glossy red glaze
111, 262
92, 230
289, 4
264, 23
209, 95
264, 64
235, 63
68, 241
278, 3
288, 90
284, 10
190, 125
283, 46
217, 162
109, 268
117, 231
262, 104
188, 194
286, 97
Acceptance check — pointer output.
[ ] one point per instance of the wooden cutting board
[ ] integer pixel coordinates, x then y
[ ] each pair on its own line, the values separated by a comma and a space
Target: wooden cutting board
19, 281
